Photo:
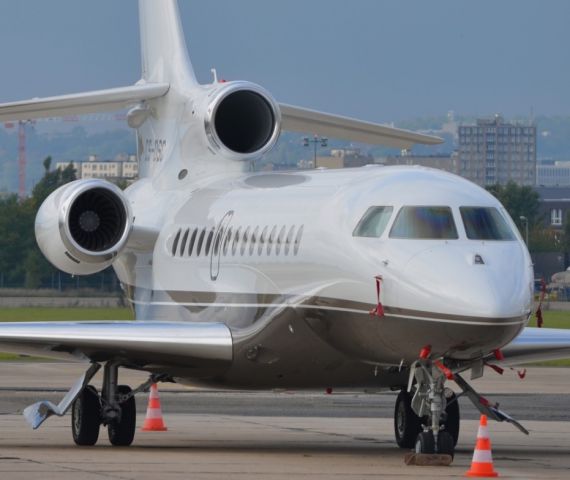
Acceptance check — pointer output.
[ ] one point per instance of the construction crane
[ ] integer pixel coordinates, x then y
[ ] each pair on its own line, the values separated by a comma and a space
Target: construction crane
22, 124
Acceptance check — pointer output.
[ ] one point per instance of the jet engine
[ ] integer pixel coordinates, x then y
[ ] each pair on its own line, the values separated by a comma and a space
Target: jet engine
83, 226
241, 119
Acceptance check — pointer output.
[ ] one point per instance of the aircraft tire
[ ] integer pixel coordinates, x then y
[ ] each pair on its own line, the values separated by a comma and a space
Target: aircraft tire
122, 433
407, 424
453, 418
86, 417
445, 445
425, 443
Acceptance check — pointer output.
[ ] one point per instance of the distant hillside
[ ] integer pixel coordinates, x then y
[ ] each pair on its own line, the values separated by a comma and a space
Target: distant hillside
107, 140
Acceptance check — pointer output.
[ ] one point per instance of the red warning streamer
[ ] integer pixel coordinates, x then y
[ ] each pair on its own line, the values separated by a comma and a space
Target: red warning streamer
539, 320
378, 311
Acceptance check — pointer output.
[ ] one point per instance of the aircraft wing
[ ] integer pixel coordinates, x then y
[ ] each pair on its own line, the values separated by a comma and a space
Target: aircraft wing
537, 345
80, 103
198, 346
299, 119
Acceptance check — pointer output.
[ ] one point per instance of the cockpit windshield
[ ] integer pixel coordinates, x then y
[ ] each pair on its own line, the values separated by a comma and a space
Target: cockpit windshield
485, 223
374, 222
424, 223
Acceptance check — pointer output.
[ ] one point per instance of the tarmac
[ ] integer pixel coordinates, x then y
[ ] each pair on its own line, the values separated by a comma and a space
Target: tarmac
277, 435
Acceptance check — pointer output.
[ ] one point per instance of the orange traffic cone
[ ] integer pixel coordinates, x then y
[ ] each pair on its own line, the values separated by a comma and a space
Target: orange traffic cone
482, 464
153, 421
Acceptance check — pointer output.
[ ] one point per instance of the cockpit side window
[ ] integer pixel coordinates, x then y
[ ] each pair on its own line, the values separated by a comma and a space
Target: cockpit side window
373, 223
424, 223
485, 223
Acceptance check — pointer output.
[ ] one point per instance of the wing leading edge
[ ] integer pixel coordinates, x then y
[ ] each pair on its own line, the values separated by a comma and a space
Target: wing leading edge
298, 119
197, 346
537, 345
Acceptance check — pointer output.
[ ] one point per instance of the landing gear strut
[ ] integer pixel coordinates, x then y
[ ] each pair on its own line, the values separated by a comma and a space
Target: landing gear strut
427, 417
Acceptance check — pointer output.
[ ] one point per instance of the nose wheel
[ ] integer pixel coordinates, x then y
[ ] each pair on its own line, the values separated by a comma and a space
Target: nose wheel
407, 425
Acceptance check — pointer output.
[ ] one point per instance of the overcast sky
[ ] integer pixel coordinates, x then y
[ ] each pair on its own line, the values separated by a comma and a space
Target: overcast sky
378, 60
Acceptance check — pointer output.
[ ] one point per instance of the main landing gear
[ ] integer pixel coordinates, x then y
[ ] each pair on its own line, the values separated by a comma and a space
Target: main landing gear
115, 408
427, 419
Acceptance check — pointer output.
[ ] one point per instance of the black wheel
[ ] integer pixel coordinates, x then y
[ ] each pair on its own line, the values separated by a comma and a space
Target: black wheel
407, 424
453, 417
86, 417
425, 443
445, 444
122, 432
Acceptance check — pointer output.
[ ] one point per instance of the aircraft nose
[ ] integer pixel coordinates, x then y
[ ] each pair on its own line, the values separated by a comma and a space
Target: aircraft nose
490, 281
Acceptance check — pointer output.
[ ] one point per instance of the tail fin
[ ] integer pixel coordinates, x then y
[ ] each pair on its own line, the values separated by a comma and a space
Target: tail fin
163, 47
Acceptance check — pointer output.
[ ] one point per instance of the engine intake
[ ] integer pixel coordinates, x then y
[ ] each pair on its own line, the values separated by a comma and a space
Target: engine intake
83, 226
97, 219
242, 120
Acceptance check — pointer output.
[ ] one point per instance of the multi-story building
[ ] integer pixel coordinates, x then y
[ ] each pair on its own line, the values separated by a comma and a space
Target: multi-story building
112, 170
496, 152
344, 158
557, 175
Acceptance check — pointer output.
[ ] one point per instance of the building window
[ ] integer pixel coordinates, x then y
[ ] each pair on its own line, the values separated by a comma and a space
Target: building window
556, 216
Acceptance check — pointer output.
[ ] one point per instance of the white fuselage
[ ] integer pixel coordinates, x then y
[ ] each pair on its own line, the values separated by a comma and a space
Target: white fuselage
249, 248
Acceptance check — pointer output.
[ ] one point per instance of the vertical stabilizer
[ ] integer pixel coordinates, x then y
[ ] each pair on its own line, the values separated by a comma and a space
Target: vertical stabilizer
163, 47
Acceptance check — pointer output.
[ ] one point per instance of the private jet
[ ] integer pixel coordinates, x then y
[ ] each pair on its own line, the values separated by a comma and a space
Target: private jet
401, 278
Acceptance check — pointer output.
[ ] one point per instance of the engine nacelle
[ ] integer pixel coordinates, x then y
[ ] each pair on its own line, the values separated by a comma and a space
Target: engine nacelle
83, 226
241, 119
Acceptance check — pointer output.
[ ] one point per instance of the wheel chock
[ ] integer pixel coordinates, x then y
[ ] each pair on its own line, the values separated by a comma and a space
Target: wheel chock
427, 460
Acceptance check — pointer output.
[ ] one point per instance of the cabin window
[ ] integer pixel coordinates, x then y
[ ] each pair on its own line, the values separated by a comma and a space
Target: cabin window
218, 241
298, 240
289, 239
262, 239
236, 240
271, 239
280, 240
485, 223
244, 241
209, 242
175, 244
200, 242
192, 241
184, 240
433, 223
373, 223
227, 239
253, 240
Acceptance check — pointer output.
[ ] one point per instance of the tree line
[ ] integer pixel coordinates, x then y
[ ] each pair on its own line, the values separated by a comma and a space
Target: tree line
22, 264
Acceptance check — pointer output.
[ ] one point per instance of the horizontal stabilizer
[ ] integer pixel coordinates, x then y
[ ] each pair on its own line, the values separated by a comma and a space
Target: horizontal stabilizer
175, 344
80, 103
297, 119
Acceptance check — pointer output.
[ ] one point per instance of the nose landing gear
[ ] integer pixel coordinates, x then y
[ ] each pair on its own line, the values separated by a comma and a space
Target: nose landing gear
428, 420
